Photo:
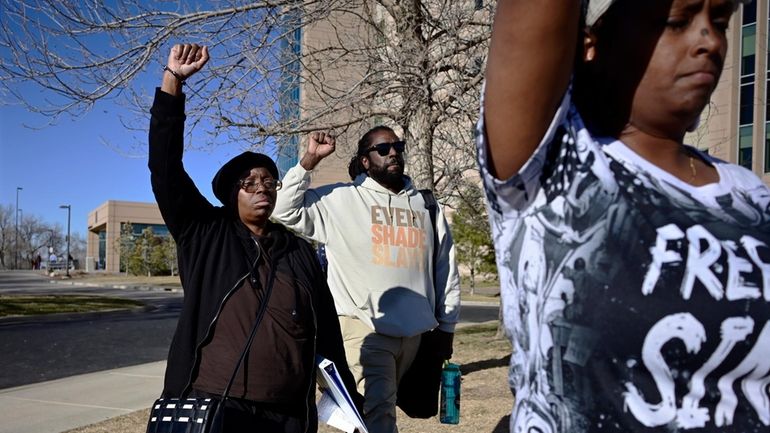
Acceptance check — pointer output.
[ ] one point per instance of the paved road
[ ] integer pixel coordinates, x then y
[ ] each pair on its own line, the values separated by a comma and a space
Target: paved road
49, 348
478, 313
46, 348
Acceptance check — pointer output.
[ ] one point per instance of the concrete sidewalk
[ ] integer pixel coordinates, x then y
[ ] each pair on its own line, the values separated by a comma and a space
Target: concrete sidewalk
77, 401
63, 404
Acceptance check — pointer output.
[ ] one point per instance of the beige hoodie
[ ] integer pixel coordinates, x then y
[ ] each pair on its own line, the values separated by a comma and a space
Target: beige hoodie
379, 246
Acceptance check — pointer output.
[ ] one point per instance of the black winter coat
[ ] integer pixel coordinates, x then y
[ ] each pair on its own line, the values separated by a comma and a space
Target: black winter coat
215, 251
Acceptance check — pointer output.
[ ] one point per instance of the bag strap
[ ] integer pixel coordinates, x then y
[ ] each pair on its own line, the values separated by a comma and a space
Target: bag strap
260, 314
432, 206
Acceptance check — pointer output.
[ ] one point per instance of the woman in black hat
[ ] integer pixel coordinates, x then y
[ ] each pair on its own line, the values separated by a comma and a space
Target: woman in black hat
232, 260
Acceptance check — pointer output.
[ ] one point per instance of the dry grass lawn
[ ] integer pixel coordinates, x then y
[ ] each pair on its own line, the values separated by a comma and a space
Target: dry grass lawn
485, 404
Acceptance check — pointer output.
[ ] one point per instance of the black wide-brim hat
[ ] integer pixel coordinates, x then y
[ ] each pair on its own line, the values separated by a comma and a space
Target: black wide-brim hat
227, 176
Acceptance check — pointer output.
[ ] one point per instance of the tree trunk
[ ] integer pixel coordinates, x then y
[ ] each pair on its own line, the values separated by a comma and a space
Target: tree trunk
473, 281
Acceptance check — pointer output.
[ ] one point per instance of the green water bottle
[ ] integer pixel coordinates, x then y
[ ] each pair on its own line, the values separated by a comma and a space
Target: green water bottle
450, 394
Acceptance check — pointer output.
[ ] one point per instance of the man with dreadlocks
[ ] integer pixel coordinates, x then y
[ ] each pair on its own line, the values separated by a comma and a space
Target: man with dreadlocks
391, 263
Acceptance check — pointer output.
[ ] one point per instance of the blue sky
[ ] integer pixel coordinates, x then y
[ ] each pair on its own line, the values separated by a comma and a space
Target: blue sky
69, 163
75, 161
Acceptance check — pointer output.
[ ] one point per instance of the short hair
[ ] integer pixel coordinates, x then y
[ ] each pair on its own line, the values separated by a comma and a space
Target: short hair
355, 167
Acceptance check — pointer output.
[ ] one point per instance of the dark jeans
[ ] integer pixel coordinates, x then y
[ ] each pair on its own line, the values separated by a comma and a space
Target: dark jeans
246, 416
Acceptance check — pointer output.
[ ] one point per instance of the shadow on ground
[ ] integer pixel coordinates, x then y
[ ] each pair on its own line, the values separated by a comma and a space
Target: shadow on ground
502, 426
485, 364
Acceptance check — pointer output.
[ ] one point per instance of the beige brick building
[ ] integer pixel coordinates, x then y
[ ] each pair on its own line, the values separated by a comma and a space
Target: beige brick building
331, 81
323, 83
735, 127
104, 225
351, 69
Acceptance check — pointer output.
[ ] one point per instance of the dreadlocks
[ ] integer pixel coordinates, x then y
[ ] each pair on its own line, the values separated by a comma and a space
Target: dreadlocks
355, 167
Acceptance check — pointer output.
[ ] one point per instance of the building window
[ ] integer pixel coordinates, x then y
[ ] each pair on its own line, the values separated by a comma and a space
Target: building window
748, 77
138, 229
750, 13
746, 110
102, 256
767, 100
287, 154
748, 52
744, 146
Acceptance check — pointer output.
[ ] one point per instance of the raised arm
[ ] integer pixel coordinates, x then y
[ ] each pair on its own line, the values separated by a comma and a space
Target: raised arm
298, 207
178, 198
528, 70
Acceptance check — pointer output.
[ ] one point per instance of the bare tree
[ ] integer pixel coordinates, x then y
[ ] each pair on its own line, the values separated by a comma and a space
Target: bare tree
472, 235
78, 249
416, 65
7, 232
35, 236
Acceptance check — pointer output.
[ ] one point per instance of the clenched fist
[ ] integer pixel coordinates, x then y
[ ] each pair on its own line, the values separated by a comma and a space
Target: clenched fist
187, 59
184, 60
320, 145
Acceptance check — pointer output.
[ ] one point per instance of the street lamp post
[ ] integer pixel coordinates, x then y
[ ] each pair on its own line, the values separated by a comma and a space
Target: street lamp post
16, 245
69, 210
20, 216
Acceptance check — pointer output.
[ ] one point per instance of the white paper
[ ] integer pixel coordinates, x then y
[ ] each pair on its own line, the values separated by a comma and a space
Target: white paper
331, 414
330, 381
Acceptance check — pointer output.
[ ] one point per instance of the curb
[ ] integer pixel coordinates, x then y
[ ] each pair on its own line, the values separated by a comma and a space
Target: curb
480, 303
95, 314
117, 286
55, 317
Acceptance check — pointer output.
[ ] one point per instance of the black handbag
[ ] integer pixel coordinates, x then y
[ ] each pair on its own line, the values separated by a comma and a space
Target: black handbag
418, 389
201, 414
189, 415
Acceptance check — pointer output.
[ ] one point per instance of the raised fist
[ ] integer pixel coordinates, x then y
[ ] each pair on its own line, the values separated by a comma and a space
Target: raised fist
321, 144
187, 59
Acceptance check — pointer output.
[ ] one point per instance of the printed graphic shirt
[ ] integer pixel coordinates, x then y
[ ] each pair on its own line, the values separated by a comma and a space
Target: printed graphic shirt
380, 249
634, 302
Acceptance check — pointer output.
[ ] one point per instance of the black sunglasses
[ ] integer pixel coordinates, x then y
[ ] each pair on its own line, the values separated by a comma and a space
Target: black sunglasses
384, 148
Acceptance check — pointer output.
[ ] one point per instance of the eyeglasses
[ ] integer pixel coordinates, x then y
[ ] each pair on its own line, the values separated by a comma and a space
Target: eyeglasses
384, 148
252, 185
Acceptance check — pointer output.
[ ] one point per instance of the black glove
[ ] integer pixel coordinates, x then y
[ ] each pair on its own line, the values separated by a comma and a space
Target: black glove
441, 343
